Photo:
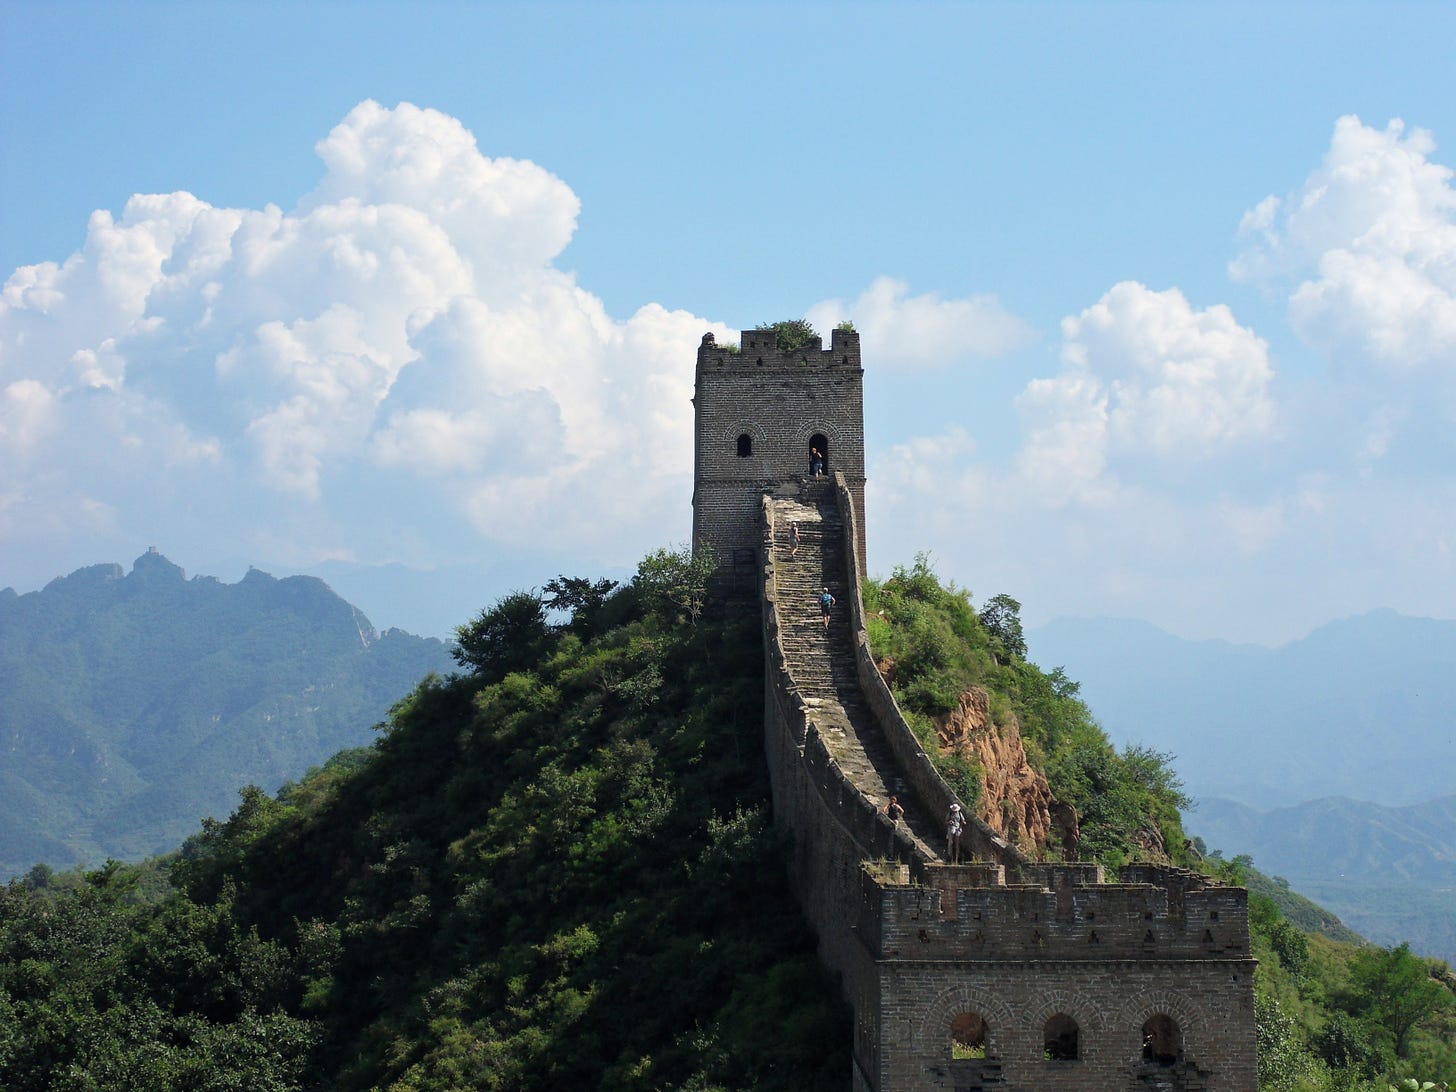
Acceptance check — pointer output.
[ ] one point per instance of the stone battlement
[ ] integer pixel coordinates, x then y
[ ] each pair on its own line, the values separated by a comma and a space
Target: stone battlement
759, 349
1063, 921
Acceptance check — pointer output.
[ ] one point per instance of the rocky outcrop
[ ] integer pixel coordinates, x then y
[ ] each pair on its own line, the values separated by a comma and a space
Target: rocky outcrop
1016, 800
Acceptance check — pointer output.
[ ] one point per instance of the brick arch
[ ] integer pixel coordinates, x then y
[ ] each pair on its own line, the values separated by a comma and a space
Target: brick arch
832, 432
730, 433
950, 1003
1088, 1014
1192, 1021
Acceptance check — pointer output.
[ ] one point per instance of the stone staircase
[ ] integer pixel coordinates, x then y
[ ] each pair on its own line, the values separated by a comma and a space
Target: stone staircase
822, 661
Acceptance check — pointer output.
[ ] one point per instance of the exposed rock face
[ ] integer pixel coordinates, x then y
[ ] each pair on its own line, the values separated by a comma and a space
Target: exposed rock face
1016, 800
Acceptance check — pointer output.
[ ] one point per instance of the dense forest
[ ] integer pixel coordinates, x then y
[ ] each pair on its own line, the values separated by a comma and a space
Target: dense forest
555, 867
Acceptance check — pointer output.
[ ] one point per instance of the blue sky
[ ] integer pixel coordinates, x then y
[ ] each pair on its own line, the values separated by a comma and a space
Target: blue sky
1149, 329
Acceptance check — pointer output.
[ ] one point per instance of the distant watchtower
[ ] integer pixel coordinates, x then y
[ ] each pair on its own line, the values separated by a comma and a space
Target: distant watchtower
759, 414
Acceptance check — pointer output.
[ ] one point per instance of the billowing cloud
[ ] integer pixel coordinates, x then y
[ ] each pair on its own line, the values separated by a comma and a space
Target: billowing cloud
1145, 375
913, 333
1370, 239
1166, 471
401, 334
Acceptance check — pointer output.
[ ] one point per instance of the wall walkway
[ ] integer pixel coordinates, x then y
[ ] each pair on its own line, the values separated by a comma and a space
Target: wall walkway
922, 945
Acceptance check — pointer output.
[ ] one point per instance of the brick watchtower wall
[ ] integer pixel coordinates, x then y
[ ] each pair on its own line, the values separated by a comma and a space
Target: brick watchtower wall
755, 413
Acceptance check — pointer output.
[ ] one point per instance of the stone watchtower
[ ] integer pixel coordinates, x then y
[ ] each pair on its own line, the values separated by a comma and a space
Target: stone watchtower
758, 414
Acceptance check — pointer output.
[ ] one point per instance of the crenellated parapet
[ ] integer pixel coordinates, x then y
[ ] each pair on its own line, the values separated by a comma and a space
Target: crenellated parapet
982, 920
758, 350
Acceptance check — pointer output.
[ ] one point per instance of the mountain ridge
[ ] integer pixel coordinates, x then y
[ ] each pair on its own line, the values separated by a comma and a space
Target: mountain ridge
133, 703
1368, 696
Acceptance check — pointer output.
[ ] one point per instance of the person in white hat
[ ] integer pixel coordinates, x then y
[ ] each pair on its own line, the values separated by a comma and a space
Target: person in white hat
955, 822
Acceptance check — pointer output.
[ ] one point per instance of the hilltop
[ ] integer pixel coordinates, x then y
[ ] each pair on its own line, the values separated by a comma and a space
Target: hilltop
134, 703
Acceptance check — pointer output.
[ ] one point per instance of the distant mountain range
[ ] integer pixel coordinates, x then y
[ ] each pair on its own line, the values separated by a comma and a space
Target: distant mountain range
133, 704
1363, 708
1389, 873
1330, 760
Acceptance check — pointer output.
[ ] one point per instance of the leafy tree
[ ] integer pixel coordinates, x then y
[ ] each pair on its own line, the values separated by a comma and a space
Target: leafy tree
1002, 618
1282, 1058
678, 578
580, 597
509, 636
1345, 1046
1292, 947
791, 334
1395, 993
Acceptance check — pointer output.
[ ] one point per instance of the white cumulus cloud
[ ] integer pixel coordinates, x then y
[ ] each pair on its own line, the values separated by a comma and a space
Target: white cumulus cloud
1145, 374
925, 332
400, 337
1370, 239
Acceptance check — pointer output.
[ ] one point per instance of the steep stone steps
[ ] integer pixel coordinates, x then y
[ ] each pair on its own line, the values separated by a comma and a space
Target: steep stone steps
821, 660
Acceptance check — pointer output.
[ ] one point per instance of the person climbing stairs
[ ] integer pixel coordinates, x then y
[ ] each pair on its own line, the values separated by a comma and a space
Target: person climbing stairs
821, 659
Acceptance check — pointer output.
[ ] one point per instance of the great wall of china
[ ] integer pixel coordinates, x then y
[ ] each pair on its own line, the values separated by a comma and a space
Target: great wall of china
1000, 973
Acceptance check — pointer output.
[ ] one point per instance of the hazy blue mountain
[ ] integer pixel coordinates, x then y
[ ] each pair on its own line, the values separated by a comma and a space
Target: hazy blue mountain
1389, 873
133, 704
430, 602
1363, 708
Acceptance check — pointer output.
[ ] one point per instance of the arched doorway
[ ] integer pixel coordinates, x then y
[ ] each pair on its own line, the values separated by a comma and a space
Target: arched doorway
1162, 1040
818, 454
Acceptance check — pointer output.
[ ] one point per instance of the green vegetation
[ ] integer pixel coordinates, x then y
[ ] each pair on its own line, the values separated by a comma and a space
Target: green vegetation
791, 334
556, 869
548, 874
1128, 801
1338, 1017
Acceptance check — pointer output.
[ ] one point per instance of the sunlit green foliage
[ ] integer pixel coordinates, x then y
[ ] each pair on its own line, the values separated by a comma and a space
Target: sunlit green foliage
791, 334
939, 646
1340, 1017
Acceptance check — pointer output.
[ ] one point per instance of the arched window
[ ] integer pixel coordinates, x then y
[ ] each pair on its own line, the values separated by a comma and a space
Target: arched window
968, 1036
1061, 1039
1162, 1040
745, 446
818, 454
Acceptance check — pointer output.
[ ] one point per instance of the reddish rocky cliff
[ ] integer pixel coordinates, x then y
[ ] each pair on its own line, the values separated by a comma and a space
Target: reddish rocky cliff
1016, 800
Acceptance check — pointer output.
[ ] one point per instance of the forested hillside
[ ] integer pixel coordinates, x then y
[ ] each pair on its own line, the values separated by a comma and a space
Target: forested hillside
552, 870
555, 868
133, 704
